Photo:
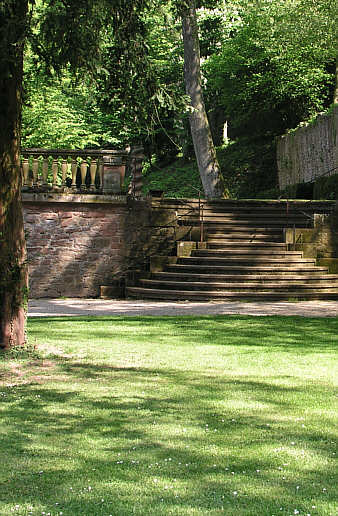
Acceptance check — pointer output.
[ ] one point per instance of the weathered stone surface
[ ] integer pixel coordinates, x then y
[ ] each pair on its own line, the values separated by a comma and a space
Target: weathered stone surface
73, 248
158, 263
330, 263
318, 242
309, 152
184, 248
76, 244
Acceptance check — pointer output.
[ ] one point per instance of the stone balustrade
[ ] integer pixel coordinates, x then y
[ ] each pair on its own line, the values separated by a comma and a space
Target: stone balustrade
80, 171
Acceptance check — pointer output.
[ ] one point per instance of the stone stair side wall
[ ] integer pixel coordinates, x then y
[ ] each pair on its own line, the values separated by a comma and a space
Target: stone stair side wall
319, 242
308, 152
154, 244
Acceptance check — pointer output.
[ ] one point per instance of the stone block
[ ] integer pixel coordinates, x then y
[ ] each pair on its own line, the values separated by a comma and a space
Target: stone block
158, 263
66, 214
309, 251
108, 232
185, 248
113, 176
97, 214
67, 222
114, 291
134, 275
50, 216
31, 219
331, 263
298, 235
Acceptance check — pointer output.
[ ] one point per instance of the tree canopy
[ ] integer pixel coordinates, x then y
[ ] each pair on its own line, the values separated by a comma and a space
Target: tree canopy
266, 66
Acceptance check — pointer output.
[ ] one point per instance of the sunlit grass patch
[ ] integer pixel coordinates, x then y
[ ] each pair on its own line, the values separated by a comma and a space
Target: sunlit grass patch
226, 415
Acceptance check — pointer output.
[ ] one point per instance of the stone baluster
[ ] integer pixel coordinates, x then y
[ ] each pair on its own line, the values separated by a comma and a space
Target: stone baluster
45, 171
55, 168
100, 172
106, 169
64, 168
93, 169
83, 168
35, 171
25, 172
74, 170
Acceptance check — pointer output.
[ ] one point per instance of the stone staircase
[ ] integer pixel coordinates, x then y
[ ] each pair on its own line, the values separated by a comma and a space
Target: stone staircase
243, 257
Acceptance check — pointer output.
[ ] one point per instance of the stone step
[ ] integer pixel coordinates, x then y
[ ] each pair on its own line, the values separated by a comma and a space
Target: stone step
245, 269
250, 205
247, 253
238, 209
228, 244
256, 278
245, 256
223, 230
250, 260
250, 238
240, 286
247, 223
244, 219
266, 213
246, 213
190, 295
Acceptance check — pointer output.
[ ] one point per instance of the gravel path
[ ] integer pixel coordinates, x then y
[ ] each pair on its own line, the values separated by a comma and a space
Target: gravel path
73, 307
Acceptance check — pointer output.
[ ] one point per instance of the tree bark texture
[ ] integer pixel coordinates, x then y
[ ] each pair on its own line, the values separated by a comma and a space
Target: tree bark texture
13, 267
208, 166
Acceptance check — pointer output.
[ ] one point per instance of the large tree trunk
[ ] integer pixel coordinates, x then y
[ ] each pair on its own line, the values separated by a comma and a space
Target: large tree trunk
208, 166
13, 268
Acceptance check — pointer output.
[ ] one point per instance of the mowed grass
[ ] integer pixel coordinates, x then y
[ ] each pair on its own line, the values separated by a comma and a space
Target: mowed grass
185, 415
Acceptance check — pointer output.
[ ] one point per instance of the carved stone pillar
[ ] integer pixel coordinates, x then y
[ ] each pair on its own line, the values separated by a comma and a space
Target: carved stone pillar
113, 173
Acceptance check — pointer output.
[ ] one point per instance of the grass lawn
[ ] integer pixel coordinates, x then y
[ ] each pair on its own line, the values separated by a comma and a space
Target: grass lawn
122, 416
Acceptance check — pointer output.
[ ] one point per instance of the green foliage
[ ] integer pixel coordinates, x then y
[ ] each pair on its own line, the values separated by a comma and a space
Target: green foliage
60, 113
131, 90
270, 74
248, 166
267, 66
272, 193
326, 187
179, 179
262, 90
298, 191
143, 82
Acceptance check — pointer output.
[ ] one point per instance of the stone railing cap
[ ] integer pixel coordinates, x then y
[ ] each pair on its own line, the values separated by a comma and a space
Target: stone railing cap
73, 152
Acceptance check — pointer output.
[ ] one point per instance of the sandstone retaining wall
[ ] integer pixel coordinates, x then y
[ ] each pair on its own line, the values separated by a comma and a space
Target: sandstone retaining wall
74, 244
77, 243
308, 152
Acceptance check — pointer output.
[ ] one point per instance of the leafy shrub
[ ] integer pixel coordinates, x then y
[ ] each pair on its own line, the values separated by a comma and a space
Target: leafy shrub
180, 179
326, 187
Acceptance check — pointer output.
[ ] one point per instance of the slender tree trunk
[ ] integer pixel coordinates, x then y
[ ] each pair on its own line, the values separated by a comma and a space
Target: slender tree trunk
208, 166
13, 269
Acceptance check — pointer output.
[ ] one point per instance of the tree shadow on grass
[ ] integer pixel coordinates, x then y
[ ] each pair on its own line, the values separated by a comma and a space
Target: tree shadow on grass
304, 335
153, 440
131, 446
